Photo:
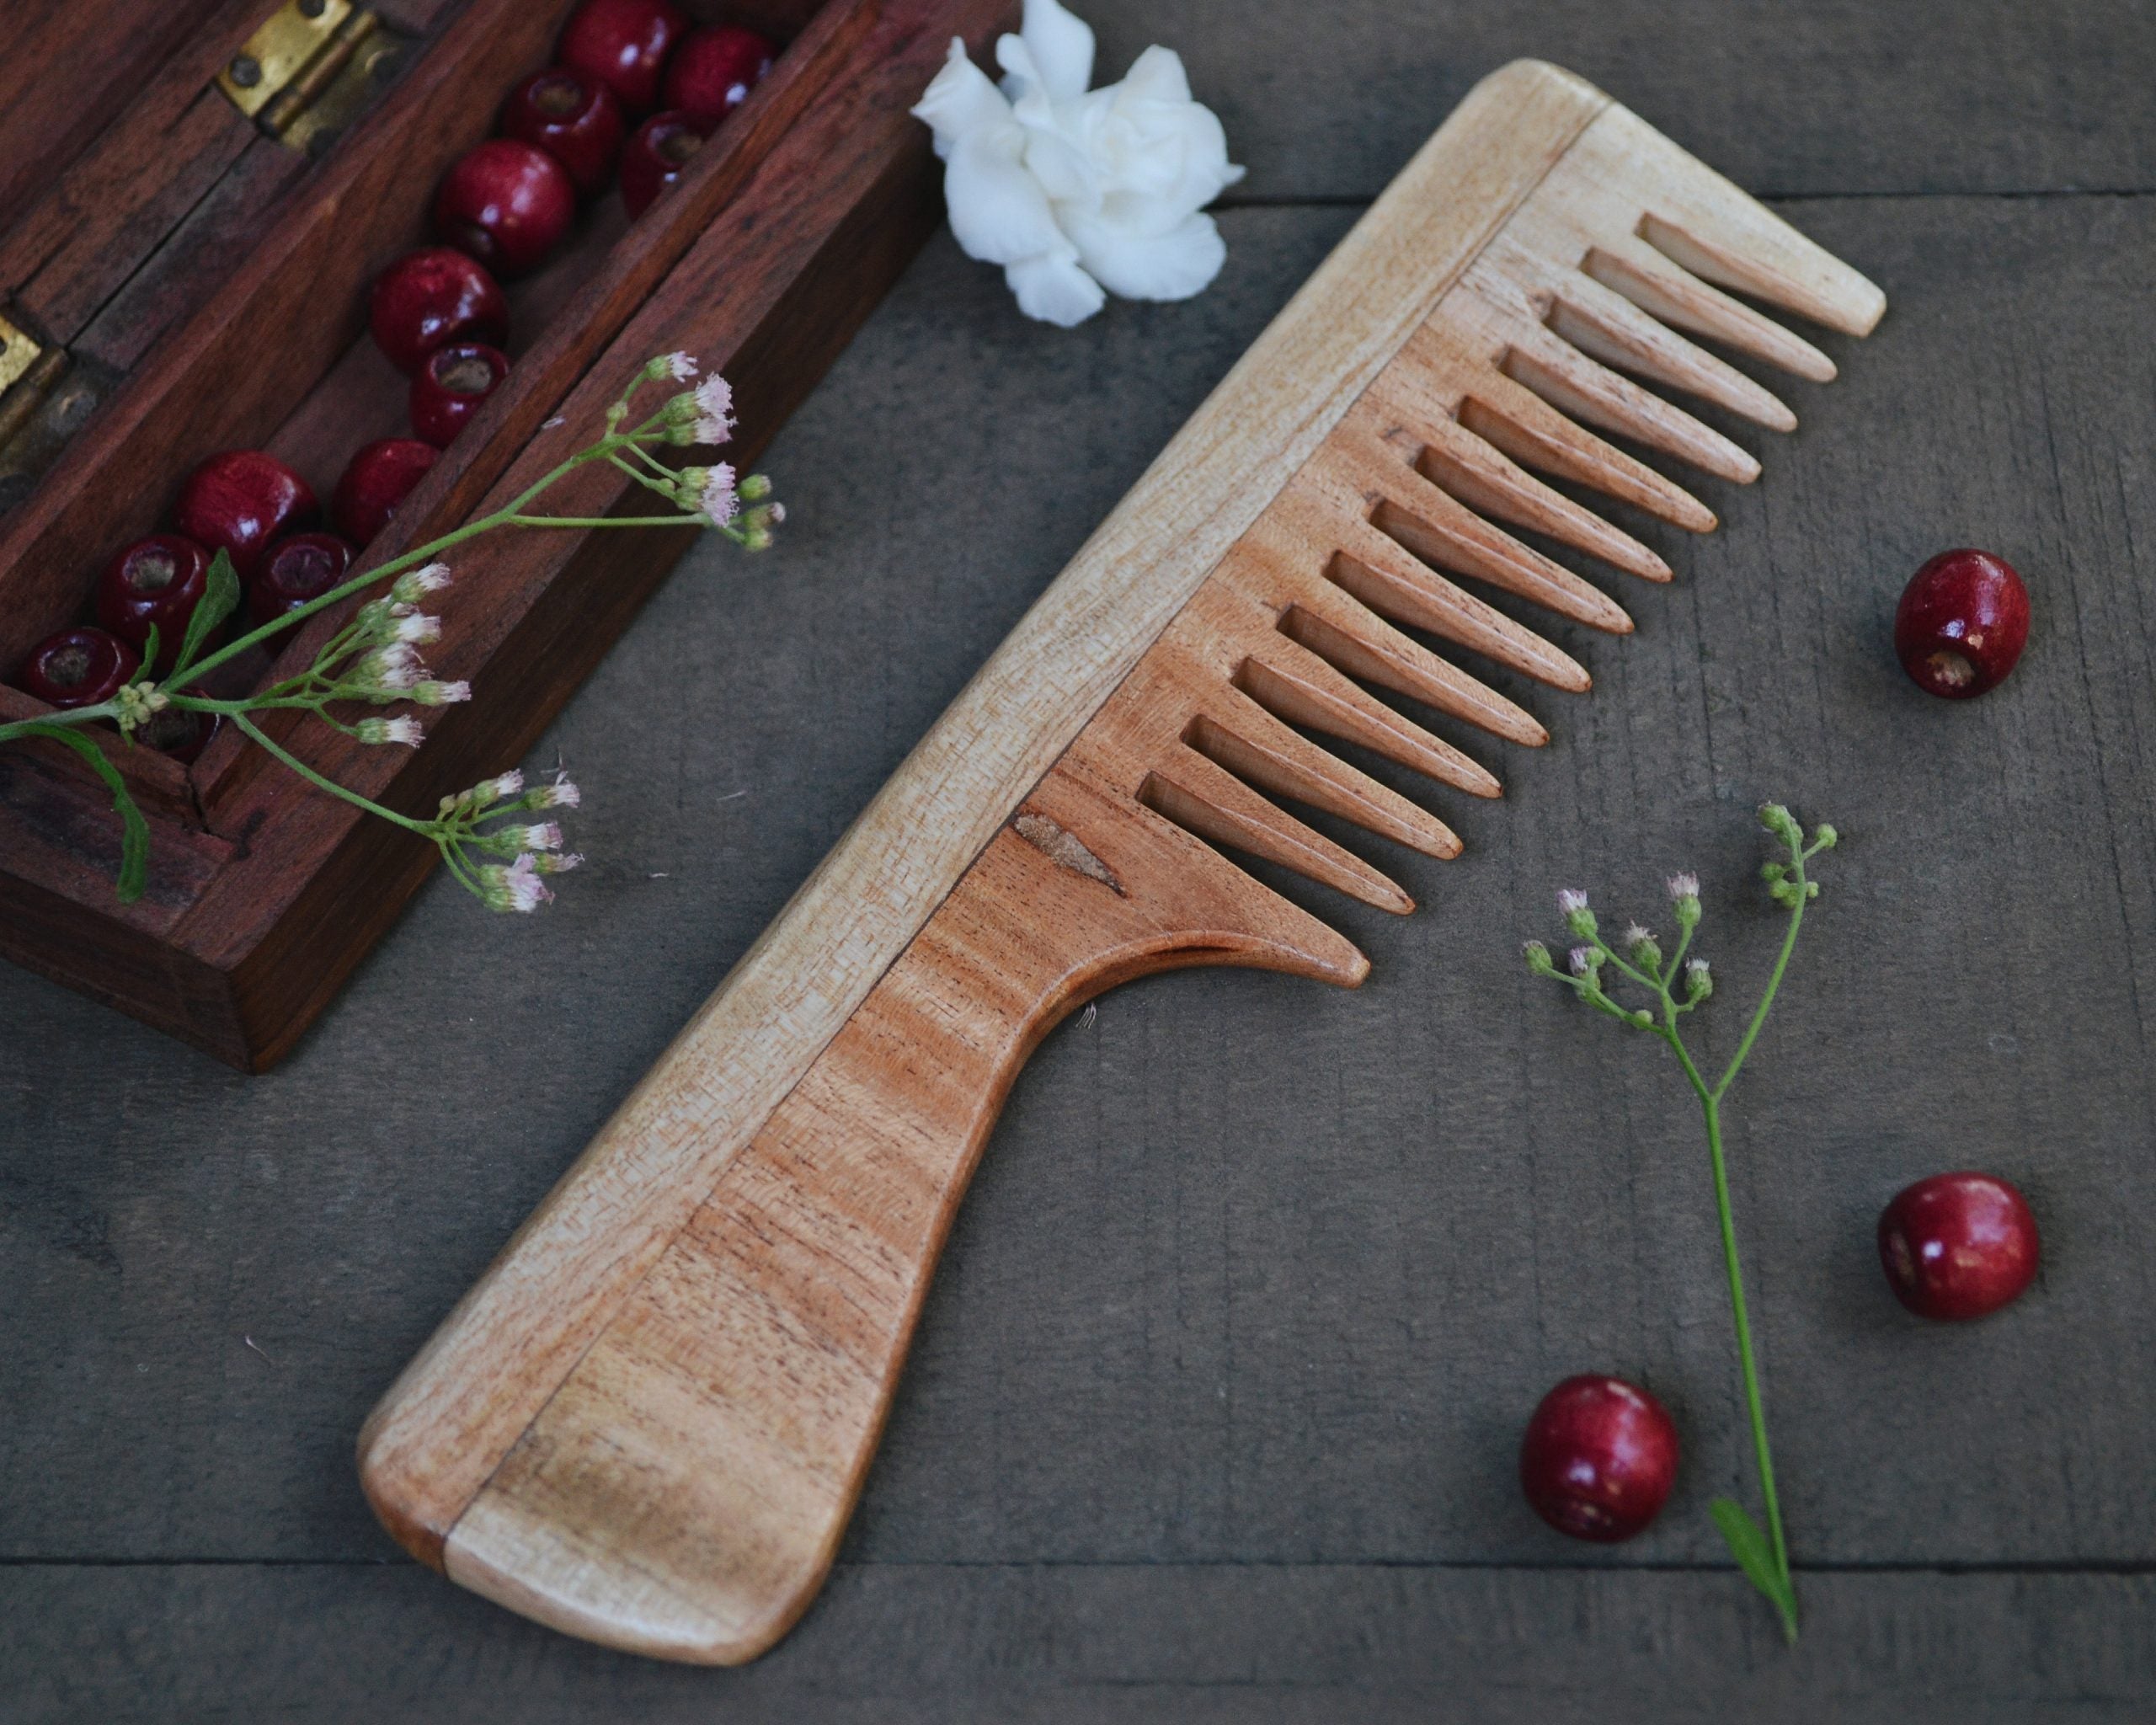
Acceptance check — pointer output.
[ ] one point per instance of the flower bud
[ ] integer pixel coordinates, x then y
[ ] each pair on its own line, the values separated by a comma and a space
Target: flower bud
1641, 947
560, 794
415, 585
1699, 980
756, 487
1772, 872
1584, 960
1779, 821
1685, 899
1538, 959
433, 693
1825, 837
404, 729
1572, 905
514, 887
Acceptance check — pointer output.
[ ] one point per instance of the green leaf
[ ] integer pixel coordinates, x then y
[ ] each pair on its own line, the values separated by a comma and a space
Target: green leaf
150, 651
134, 830
220, 600
1748, 1545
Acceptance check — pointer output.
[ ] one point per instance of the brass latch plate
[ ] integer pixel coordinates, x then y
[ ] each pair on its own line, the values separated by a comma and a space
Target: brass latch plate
278, 50
18, 354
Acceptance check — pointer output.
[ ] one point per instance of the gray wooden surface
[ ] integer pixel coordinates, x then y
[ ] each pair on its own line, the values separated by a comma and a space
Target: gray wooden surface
1214, 1409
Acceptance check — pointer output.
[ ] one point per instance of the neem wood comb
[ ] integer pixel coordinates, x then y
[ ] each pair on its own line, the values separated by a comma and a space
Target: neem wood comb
648, 1422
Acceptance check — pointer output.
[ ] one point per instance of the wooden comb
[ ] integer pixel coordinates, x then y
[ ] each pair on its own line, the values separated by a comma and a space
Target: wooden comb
648, 1422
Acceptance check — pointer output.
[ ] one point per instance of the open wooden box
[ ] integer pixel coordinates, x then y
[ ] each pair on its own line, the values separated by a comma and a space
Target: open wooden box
190, 283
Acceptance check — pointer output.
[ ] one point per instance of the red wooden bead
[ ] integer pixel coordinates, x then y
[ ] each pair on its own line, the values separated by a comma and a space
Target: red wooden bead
78, 667
155, 583
240, 501
623, 43
380, 476
1961, 623
1958, 1246
176, 732
653, 157
302, 567
433, 296
451, 387
507, 204
575, 118
1598, 1458
711, 73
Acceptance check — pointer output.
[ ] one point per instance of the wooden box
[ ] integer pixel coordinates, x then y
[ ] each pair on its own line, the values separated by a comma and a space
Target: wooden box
175, 280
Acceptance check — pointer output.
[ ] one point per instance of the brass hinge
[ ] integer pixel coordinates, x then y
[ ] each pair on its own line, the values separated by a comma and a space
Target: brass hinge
299, 51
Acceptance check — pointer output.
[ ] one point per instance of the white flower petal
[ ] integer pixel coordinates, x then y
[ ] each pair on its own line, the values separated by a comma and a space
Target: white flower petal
1157, 76
1151, 266
959, 98
1061, 45
1053, 289
999, 213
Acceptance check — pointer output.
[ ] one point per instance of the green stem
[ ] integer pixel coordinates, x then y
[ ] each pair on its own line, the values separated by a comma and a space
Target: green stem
425, 828
1754, 1403
1774, 980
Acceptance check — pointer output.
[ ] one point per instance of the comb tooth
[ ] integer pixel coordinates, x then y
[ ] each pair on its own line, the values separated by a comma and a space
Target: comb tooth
1573, 383
1356, 640
1262, 751
1427, 374
1381, 574
1307, 691
1677, 298
1456, 460
1218, 807
1855, 309
1608, 327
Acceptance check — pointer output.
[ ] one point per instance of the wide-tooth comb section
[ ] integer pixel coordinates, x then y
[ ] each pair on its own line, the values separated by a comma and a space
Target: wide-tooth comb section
1441, 531
1325, 508
1677, 298
1576, 385
1219, 807
1353, 638
1538, 262
1446, 370
1606, 326
1396, 585
1259, 750
1482, 477
1295, 685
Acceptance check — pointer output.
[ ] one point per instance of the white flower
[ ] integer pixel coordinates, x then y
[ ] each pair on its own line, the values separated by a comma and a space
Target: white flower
499, 788
1571, 900
539, 835
1075, 192
394, 669
415, 585
517, 888
439, 694
714, 410
416, 630
677, 365
1582, 959
405, 729
715, 495
560, 794
1684, 886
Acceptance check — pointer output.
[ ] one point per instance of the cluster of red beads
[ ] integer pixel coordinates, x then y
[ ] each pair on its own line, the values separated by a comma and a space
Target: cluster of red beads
440, 316
1599, 1454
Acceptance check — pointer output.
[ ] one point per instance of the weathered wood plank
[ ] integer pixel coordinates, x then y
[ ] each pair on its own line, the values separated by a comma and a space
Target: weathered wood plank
1019, 1644
1788, 97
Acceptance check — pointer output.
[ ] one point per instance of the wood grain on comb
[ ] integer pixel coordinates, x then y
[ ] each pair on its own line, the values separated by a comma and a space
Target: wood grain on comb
648, 1423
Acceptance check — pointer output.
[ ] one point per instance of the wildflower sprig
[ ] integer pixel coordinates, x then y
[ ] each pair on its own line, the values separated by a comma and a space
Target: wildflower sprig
1676, 984
374, 659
